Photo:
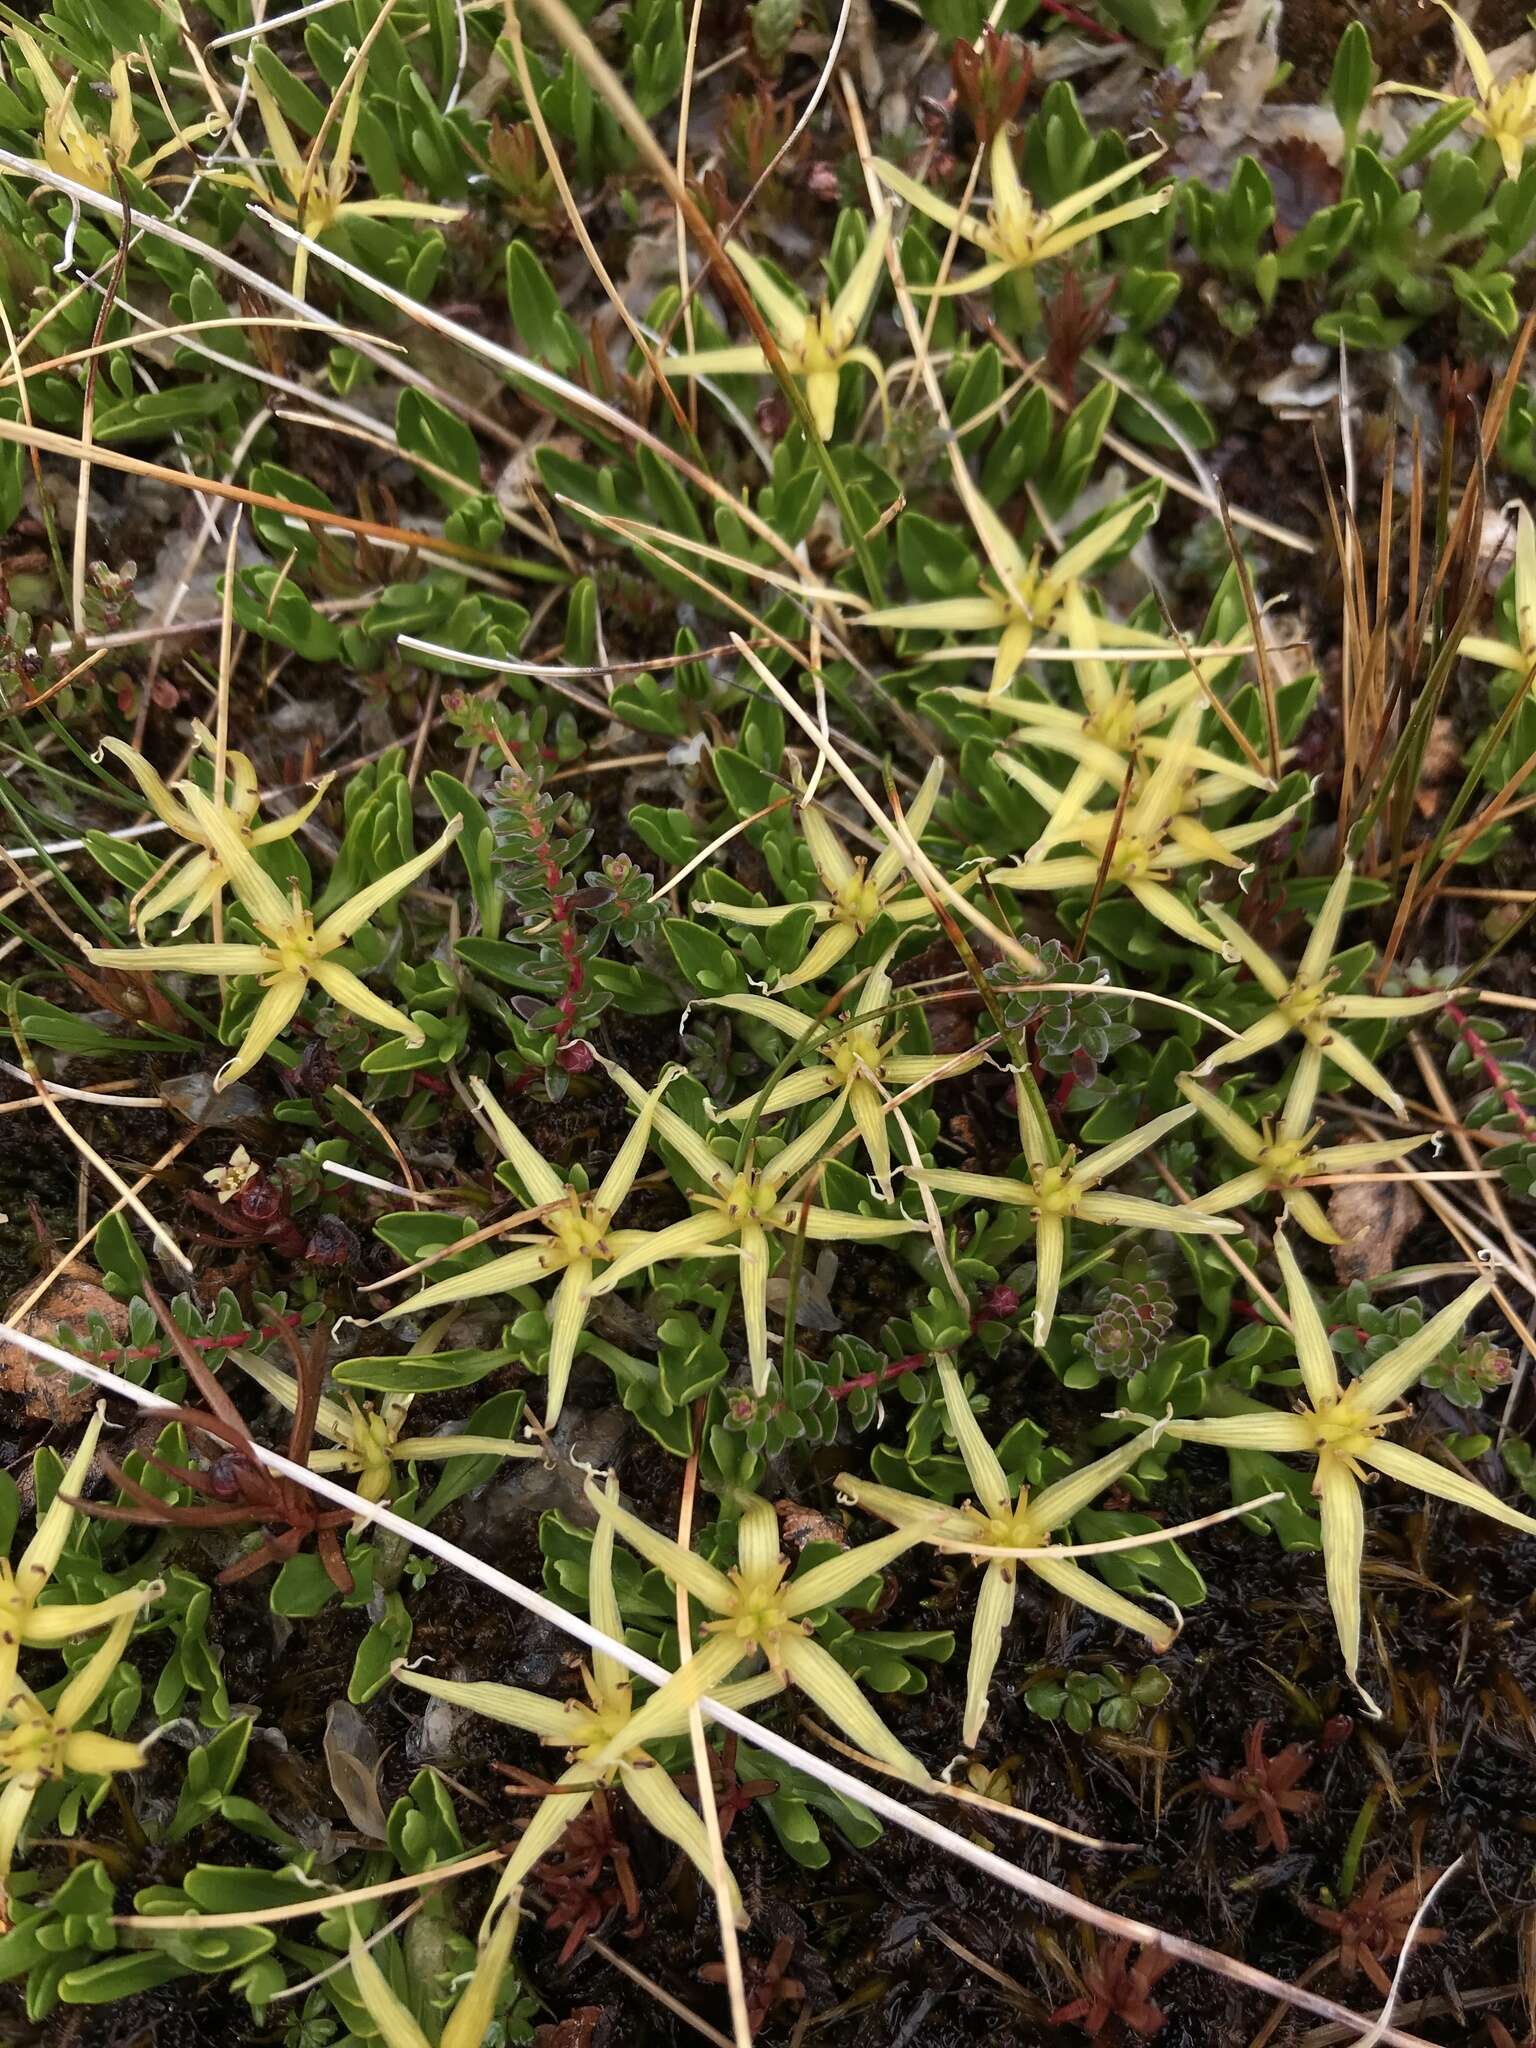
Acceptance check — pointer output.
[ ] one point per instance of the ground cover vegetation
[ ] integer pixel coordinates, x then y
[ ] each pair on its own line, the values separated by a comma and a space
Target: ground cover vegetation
768, 1129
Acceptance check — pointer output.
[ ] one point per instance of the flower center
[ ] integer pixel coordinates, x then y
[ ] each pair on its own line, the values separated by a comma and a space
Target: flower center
1116, 725
1016, 229
747, 1198
595, 1726
1304, 1001
32, 1747
1017, 1530
293, 948
578, 1229
858, 900
855, 1053
759, 1613
1345, 1429
1285, 1160
1133, 859
1511, 108
1056, 1193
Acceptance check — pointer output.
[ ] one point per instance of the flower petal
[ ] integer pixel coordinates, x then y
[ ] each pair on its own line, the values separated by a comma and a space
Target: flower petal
549, 1719
1171, 910
537, 1177
1314, 1348
551, 1817
500, 1276
817, 1673
985, 1187
680, 1135
1050, 1257
1069, 1579
830, 947
1346, 1054
182, 959
757, 1539
669, 1813
1275, 1430
868, 1113
1343, 1551
1307, 1211
358, 909
85, 1685
689, 1239
1302, 1093
682, 1567
1234, 1130
994, 1611
41, 1556
354, 994
271, 1017
468, 2025
827, 1226
824, 1585
753, 1283
981, 1461
567, 1311
602, 1597
1110, 1158
1139, 1212
1390, 1378
1264, 1032
1409, 1468
1055, 1505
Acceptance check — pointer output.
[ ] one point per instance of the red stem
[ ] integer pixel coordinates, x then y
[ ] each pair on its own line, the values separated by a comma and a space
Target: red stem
892, 1371
563, 921
1085, 22
1480, 1051
990, 1310
124, 1356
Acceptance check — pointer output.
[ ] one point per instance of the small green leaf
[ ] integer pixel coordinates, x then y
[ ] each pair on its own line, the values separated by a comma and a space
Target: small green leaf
1354, 77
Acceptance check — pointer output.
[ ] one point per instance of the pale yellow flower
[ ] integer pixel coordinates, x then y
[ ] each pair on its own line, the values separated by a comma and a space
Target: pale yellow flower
238, 1172
1015, 233
1304, 1001
744, 1209
1344, 1429
1028, 598
1114, 725
572, 1235
1506, 109
1158, 835
73, 150
1061, 1187
26, 1619
858, 1061
856, 891
315, 195
605, 1737
759, 1610
1004, 1521
196, 886
1281, 1157
291, 952
370, 1440
815, 346
38, 1743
